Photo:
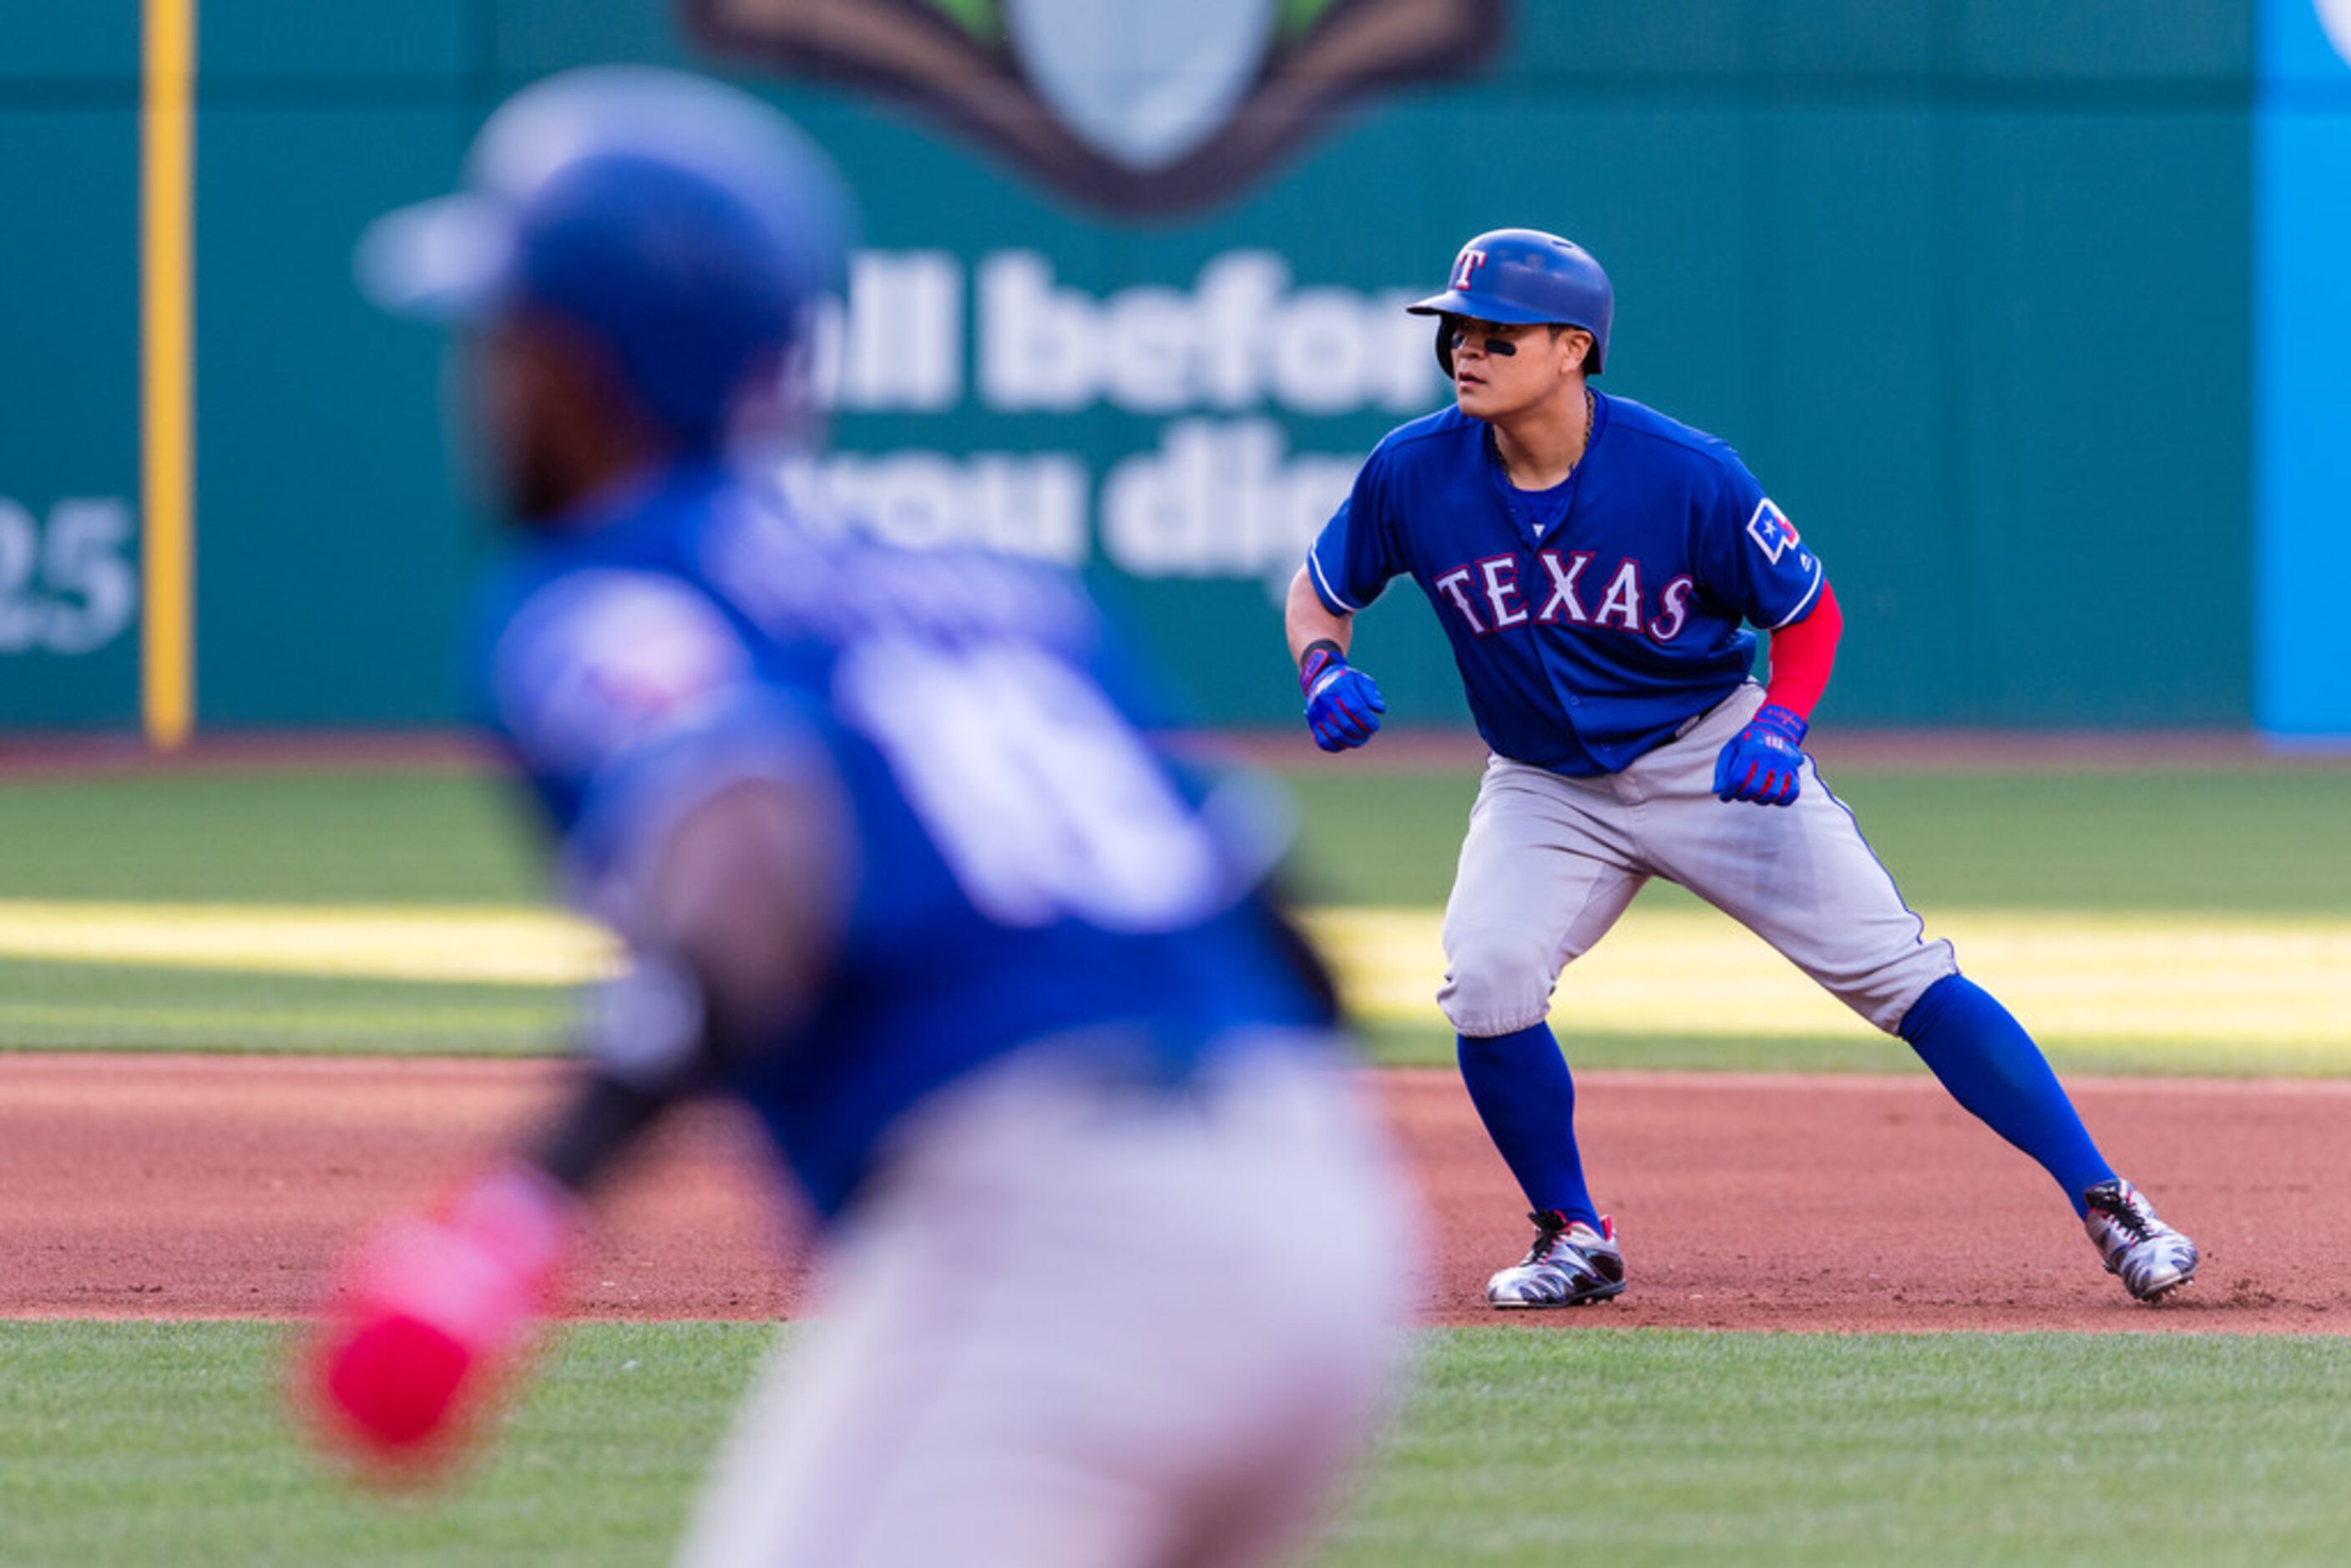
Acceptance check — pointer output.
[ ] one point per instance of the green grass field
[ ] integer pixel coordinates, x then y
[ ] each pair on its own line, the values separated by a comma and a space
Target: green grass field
2273, 839
297, 911
2175, 921
156, 1443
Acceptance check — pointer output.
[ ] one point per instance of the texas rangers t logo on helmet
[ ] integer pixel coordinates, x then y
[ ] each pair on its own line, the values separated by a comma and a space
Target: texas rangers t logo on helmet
1465, 269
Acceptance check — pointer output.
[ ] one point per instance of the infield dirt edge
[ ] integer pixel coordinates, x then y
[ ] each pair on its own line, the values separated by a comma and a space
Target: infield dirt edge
203, 1187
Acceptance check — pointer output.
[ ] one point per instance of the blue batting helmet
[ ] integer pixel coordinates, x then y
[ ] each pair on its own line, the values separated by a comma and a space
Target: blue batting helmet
683, 225
1524, 274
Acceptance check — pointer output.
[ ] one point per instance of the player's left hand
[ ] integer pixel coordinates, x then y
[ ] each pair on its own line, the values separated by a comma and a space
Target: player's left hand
431, 1315
1764, 762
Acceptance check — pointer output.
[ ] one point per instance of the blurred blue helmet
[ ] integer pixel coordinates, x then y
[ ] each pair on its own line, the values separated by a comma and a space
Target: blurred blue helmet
682, 225
1524, 274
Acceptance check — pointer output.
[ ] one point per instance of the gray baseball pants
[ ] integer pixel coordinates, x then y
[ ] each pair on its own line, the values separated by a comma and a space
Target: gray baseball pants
1550, 862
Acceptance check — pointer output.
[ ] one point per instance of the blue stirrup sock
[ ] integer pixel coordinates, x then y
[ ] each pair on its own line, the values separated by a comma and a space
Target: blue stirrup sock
1994, 1069
1525, 1095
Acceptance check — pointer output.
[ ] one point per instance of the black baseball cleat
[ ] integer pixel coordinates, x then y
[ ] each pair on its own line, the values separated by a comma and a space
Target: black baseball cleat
2151, 1258
1570, 1265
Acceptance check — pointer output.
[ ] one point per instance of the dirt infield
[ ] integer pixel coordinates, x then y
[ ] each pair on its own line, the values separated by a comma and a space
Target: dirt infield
190, 1186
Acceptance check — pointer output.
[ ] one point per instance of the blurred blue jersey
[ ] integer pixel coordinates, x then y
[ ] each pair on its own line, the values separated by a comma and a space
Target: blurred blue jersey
1592, 620
1027, 866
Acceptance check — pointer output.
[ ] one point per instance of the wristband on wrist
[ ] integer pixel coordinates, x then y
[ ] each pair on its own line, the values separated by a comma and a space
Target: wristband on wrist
1784, 721
1318, 656
519, 1214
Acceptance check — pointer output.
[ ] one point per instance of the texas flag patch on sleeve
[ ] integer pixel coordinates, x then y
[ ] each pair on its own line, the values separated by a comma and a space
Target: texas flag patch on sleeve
1773, 534
604, 661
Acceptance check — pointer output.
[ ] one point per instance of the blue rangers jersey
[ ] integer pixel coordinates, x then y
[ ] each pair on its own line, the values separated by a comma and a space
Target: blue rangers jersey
1027, 866
1590, 622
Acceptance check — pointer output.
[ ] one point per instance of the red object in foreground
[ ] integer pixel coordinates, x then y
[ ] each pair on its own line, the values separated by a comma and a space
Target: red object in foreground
432, 1316
396, 1379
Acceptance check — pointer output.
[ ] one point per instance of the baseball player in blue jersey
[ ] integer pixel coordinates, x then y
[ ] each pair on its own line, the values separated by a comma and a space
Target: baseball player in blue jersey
1111, 1274
1597, 567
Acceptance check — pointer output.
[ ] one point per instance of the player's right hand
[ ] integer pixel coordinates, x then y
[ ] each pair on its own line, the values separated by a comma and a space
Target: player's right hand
1342, 703
430, 1314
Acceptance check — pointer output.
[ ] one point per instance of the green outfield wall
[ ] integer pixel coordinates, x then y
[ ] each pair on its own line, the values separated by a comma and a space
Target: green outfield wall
1969, 283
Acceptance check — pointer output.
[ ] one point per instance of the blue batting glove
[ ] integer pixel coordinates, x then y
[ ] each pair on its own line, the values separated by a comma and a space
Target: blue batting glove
1342, 703
1761, 763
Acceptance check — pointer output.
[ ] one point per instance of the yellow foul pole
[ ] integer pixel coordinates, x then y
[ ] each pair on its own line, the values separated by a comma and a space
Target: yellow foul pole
167, 352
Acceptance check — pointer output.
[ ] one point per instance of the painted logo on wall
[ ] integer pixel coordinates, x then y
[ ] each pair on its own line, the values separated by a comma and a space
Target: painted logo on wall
1130, 105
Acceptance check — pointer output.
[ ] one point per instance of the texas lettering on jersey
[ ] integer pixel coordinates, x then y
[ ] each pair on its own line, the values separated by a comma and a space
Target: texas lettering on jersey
1492, 584
1589, 636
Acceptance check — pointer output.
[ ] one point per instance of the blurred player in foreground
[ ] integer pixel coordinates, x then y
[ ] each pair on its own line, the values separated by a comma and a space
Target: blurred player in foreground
1595, 566
1112, 1268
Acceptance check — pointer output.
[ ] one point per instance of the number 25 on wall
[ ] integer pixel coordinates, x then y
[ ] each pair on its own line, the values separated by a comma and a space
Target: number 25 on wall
67, 586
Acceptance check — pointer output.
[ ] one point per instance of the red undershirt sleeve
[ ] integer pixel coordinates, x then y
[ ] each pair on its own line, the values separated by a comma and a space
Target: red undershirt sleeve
1803, 655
